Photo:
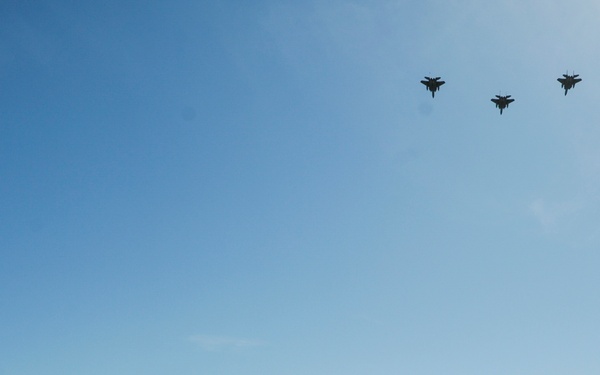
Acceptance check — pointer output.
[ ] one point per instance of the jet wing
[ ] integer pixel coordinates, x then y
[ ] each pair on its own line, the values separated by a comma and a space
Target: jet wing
508, 101
439, 83
562, 80
576, 80
426, 83
497, 101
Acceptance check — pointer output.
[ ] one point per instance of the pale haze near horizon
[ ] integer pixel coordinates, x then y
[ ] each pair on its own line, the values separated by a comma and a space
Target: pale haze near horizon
266, 188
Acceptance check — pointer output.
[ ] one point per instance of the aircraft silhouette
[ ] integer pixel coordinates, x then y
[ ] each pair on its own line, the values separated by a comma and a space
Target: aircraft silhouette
568, 81
432, 84
502, 102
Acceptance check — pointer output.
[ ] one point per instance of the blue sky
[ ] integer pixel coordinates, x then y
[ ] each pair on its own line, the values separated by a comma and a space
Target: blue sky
266, 188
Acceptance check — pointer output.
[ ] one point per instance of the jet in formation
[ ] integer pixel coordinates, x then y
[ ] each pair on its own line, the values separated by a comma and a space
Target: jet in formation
502, 101
568, 82
432, 84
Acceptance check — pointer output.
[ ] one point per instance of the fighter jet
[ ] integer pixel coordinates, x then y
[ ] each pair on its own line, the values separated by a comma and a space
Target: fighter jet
502, 102
432, 84
568, 81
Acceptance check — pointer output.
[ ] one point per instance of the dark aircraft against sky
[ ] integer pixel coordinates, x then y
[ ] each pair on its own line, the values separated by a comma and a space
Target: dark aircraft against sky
432, 84
568, 81
502, 101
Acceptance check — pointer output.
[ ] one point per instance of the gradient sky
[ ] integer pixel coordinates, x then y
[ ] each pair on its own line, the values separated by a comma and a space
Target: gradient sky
265, 188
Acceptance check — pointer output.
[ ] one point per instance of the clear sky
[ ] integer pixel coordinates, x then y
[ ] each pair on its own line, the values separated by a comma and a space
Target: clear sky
265, 188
